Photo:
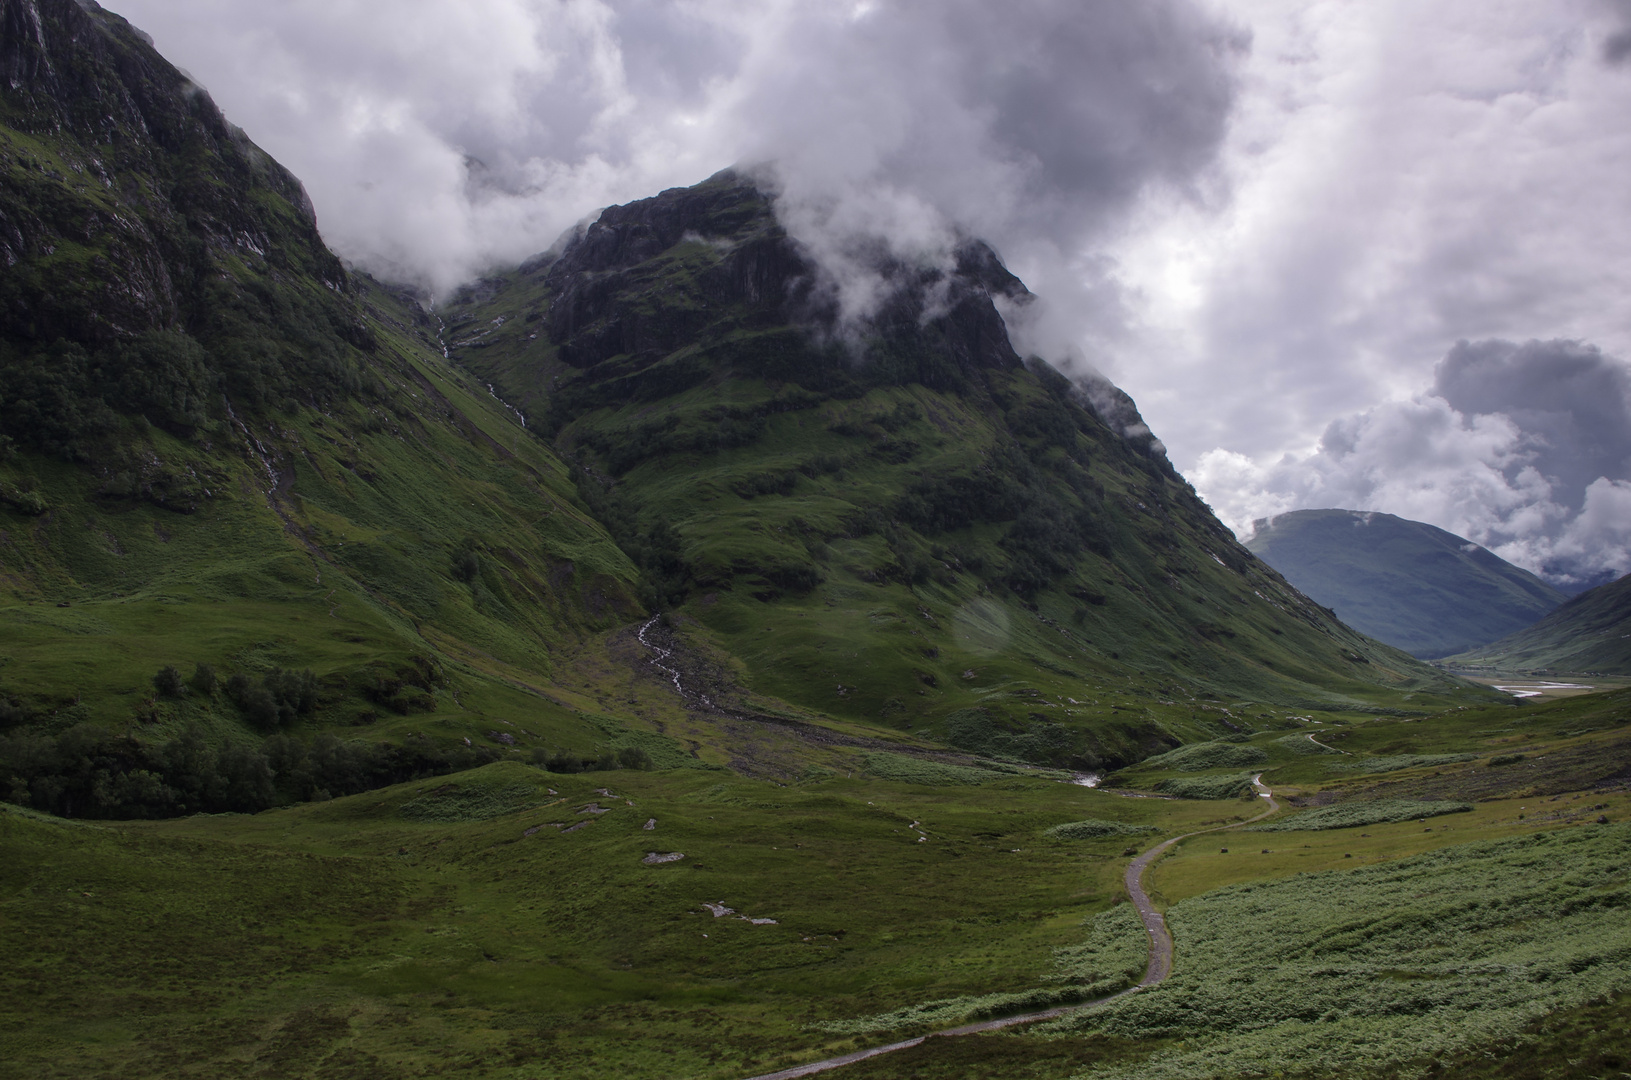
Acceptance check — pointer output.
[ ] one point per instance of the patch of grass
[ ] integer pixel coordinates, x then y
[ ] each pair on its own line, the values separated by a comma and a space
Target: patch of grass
1352, 815
1398, 762
1207, 787
1304, 745
1360, 973
910, 770
1096, 828
1209, 755
469, 801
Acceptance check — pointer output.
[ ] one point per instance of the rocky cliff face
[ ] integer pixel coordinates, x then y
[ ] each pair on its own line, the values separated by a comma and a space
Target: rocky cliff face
130, 207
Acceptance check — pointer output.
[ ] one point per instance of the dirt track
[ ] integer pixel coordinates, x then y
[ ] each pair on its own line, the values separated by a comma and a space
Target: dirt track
1160, 965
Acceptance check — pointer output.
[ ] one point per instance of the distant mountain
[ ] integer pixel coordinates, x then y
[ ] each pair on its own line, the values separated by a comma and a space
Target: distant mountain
1424, 590
1590, 632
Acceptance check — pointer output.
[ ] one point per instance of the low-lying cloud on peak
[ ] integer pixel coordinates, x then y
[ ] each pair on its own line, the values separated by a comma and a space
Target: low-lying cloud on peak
1523, 448
439, 142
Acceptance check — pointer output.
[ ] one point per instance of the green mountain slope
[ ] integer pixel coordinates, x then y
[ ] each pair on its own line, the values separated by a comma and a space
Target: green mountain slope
1424, 590
903, 523
217, 447
1590, 632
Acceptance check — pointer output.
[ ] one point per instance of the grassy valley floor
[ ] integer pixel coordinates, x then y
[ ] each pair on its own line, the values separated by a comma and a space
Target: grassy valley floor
517, 923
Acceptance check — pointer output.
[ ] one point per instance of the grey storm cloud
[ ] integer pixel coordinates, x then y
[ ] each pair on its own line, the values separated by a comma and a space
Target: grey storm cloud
1571, 402
1617, 44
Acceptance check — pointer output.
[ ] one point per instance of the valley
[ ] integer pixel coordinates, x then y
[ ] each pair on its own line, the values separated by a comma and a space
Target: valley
636, 664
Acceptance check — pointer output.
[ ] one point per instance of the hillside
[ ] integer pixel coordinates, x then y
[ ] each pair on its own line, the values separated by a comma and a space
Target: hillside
1591, 632
221, 453
1419, 588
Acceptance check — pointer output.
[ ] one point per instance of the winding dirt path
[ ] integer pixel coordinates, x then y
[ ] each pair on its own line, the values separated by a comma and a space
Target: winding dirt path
1159, 968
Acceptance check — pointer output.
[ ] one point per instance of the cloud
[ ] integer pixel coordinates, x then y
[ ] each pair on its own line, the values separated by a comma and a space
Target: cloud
440, 140
1404, 175
1525, 449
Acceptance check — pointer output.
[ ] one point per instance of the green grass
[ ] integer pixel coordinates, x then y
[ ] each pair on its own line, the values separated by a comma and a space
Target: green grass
1094, 828
1355, 814
1362, 973
1210, 755
410, 926
1207, 787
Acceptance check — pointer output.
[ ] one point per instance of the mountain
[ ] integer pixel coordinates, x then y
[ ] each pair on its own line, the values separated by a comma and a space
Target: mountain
1424, 590
1589, 633
901, 522
218, 447
269, 533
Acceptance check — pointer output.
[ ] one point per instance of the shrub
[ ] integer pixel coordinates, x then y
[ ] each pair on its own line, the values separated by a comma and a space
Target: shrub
204, 680
168, 682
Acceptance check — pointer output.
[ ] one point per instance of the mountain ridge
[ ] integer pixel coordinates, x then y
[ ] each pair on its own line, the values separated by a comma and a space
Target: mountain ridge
1588, 633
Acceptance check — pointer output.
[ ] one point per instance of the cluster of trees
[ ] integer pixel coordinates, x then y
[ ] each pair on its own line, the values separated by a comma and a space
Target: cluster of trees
564, 761
87, 771
276, 701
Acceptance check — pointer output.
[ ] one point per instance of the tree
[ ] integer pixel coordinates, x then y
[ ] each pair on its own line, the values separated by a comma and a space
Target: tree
168, 682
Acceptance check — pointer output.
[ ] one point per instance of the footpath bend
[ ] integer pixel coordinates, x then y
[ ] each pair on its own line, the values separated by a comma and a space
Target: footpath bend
1160, 965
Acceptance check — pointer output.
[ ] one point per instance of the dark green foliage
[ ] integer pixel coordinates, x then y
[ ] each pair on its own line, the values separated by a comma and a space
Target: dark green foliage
204, 679
633, 757
278, 700
168, 683
1035, 741
89, 772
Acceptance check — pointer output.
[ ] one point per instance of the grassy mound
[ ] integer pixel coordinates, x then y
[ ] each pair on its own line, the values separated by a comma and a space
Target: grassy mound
910, 770
469, 801
1093, 828
1349, 815
1304, 744
1206, 787
1209, 755
1110, 960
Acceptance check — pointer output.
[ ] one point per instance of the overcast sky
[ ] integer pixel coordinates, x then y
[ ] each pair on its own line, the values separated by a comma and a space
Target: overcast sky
1373, 254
